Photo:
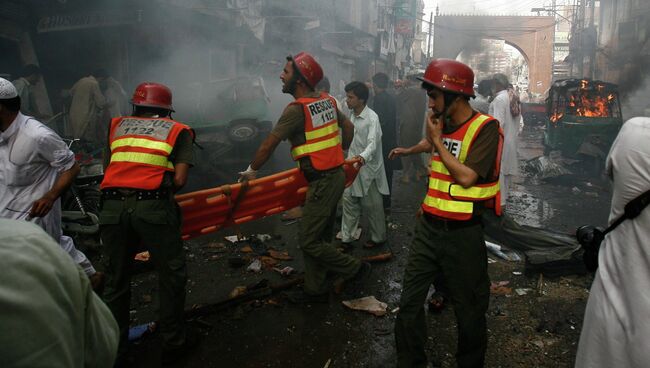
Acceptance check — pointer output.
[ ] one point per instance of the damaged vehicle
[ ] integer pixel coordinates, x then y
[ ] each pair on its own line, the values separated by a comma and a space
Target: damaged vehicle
230, 118
584, 117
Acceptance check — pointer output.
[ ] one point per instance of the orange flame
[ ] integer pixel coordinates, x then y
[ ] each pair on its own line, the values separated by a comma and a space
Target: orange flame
588, 102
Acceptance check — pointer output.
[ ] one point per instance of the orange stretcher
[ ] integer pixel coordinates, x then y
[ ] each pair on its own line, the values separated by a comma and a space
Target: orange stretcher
209, 210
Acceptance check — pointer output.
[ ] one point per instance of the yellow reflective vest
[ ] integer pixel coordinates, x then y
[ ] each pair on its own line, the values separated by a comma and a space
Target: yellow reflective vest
449, 200
140, 149
322, 138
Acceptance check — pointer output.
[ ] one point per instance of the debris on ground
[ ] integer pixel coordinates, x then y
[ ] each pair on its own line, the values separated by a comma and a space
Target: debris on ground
523, 291
502, 253
237, 291
281, 255
382, 257
500, 288
255, 266
142, 256
268, 262
368, 304
140, 331
544, 167
286, 271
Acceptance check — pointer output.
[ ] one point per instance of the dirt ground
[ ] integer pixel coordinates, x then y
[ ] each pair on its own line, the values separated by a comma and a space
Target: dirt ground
533, 321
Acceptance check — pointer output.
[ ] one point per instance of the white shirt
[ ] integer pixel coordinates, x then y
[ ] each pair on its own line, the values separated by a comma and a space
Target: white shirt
500, 110
616, 326
367, 144
31, 158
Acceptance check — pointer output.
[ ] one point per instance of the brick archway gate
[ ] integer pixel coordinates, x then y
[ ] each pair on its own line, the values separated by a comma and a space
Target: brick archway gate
532, 36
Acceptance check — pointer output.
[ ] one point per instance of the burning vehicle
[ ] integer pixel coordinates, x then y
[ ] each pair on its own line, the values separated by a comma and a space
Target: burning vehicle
584, 117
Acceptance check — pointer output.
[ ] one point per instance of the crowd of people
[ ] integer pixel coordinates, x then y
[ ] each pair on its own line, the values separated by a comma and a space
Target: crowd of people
469, 130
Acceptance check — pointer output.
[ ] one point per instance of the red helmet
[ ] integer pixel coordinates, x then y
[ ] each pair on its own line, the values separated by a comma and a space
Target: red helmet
450, 76
308, 68
149, 94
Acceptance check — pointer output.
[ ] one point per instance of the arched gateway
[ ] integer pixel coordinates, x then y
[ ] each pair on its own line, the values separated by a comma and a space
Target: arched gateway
532, 36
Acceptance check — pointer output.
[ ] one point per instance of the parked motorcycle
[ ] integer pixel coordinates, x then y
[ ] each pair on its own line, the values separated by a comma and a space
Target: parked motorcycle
80, 204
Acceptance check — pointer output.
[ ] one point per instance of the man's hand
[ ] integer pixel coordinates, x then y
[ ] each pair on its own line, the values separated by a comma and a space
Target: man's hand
42, 207
396, 152
434, 128
358, 161
248, 174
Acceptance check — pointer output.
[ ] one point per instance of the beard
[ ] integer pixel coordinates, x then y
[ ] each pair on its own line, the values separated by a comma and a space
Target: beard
290, 85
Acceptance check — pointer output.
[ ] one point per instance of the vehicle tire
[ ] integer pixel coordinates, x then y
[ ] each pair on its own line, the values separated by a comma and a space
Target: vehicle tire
242, 131
90, 197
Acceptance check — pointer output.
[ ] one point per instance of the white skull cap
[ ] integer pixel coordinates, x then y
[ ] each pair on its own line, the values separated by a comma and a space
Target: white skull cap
7, 90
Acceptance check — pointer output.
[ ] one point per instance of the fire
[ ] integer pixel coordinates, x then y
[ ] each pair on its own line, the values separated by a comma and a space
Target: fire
588, 100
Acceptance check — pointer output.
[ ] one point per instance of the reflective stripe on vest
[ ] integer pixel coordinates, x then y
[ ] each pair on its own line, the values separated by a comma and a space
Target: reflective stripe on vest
447, 199
306, 149
140, 149
322, 138
142, 158
141, 142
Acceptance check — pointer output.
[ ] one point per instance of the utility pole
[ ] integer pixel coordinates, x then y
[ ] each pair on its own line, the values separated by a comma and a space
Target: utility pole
580, 25
429, 36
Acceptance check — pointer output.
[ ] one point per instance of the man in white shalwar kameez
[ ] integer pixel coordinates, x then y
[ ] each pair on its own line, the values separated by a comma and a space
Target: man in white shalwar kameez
36, 166
365, 193
616, 327
500, 110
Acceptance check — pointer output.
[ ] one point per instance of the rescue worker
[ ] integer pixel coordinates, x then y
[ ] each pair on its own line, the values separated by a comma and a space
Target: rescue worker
311, 123
147, 161
465, 147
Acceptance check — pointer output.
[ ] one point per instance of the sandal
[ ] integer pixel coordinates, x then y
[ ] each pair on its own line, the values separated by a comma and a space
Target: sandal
437, 302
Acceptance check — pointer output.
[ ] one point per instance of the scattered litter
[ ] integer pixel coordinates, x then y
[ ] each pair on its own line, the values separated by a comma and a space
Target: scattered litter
517, 273
327, 364
368, 304
214, 257
523, 291
139, 331
591, 194
255, 266
355, 236
263, 237
498, 251
284, 255
268, 262
490, 260
237, 291
289, 222
393, 226
142, 256
382, 257
543, 167
500, 288
395, 310
575, 190
286, 271
233, 238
